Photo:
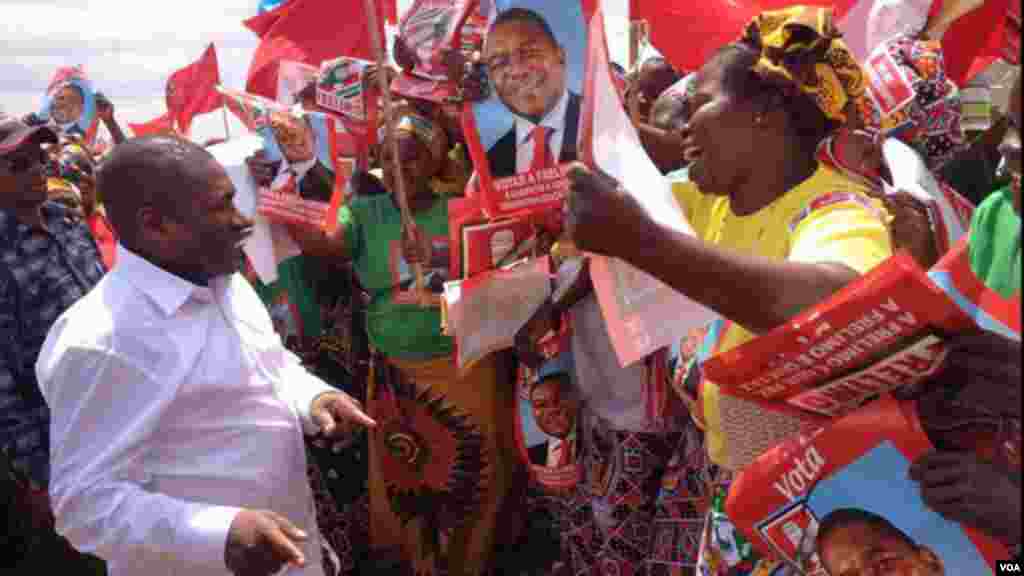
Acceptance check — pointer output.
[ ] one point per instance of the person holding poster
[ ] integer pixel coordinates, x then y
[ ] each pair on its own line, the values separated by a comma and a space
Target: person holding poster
974, 477
433, 502
764, 211
528, 68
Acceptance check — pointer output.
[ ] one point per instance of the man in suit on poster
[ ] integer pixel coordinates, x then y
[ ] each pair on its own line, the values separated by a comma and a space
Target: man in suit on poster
527, 67
555, 410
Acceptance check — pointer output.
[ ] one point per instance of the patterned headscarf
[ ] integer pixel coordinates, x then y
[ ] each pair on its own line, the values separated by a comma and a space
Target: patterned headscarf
800, 48
910, 98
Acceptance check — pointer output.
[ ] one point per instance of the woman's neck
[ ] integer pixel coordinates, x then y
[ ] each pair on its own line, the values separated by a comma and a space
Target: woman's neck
421, 200
760, 190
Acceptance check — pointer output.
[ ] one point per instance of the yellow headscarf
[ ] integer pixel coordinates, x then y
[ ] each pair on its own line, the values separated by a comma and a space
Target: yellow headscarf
800, 48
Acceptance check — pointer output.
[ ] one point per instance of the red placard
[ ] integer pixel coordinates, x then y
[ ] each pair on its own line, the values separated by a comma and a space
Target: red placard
870, 337
860, 462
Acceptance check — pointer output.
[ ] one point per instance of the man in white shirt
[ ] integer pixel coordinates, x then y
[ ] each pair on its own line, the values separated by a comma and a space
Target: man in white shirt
527, 68
177, 416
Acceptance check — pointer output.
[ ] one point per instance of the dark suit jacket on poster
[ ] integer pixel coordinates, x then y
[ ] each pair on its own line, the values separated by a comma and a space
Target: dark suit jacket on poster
502, 156
538, 454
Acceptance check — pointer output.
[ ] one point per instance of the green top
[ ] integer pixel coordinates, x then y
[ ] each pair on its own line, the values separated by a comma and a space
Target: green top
995, 243
395, 322
291, 300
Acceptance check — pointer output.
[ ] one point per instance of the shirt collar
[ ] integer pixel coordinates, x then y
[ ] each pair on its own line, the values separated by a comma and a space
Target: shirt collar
300, 168
554, 120
168, 291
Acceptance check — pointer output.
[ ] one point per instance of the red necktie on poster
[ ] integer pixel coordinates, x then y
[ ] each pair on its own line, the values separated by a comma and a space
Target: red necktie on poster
541, 151
565, 453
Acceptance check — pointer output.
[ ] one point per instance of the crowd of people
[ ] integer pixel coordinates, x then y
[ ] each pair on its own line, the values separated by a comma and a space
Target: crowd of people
163, 408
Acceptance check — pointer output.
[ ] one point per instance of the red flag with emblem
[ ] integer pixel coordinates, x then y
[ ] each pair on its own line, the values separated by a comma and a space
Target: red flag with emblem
192, 90
306, 31
160, 125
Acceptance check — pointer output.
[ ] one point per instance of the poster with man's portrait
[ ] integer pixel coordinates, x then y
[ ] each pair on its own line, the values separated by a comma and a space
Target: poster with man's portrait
70, 103
524, 135
310, 176
549, 422
843, 497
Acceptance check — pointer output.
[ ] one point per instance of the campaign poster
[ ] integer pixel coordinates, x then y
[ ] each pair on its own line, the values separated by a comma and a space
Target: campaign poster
549, 423
523, 136
842, 497
70, 103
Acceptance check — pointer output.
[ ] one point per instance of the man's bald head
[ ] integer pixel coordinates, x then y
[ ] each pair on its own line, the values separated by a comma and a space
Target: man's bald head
163, 172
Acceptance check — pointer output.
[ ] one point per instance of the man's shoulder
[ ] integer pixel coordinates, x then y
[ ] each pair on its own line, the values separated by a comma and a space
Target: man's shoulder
114, 320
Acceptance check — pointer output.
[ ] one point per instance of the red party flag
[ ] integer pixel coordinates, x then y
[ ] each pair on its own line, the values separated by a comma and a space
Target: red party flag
160, 125
192, 90
307, 31
684, 33
391, 11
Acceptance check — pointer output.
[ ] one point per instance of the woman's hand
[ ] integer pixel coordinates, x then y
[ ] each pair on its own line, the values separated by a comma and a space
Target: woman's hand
595, 207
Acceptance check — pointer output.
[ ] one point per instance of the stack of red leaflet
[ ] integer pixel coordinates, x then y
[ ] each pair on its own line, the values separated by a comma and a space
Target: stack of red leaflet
881, 333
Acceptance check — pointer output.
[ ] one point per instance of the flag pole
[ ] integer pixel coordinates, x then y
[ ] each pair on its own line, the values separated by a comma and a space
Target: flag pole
224, 111
382, 81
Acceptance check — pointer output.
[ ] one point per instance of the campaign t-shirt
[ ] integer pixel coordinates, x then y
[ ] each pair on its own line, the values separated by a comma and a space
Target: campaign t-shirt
397, 325
827, 218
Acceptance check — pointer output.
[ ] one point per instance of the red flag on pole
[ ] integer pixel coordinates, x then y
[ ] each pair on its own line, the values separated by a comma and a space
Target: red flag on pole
159, 125
192, 90
306, 31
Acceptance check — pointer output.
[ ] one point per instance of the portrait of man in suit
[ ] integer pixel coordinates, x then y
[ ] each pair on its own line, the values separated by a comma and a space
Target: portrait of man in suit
297, 142
555, 410
527, 68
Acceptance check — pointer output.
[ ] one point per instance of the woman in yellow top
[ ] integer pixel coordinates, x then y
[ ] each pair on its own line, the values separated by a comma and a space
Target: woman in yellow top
776, 231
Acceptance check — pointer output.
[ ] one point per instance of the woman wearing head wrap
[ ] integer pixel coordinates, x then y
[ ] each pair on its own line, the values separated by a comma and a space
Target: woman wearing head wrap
433, 501
766, 215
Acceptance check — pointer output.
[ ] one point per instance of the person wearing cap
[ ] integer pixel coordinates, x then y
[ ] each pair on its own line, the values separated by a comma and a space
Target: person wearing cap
48, 261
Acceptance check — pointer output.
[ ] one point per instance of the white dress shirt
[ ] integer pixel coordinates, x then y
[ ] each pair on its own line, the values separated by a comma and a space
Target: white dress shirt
172, 407
555, 448
524, 134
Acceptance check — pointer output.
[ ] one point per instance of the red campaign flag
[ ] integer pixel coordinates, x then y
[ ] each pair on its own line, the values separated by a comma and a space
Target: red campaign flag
307, 31
683, 32
159, 125
192, 90
970, 45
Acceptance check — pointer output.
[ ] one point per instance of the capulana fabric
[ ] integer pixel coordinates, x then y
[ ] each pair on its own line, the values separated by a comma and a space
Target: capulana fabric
930, 121
800, 49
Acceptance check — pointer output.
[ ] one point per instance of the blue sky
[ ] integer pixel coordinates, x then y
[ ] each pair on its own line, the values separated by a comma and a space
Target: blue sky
129, 49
